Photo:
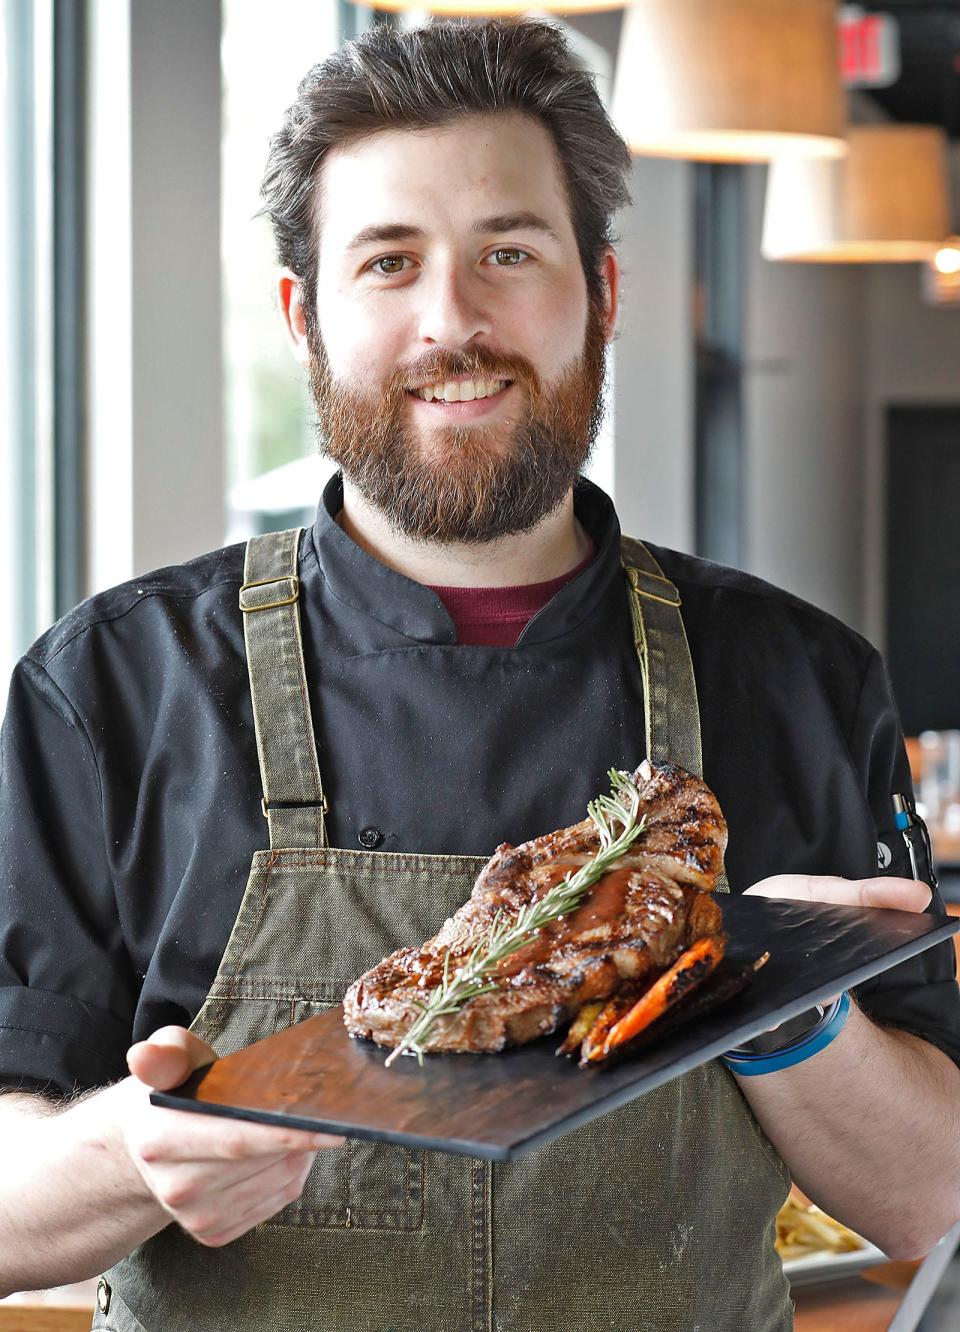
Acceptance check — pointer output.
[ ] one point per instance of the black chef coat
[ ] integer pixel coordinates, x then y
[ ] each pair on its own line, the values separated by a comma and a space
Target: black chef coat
130, 793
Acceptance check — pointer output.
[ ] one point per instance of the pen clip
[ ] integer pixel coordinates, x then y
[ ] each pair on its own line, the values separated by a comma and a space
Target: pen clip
906, 819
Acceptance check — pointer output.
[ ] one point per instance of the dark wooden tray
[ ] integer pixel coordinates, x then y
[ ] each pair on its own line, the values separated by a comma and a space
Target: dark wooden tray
500, 1106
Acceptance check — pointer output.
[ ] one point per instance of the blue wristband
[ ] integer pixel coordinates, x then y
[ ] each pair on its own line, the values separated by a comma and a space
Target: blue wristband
751, 1066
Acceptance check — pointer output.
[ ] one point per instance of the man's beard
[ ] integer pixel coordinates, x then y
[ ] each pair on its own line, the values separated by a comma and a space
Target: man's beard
471, 483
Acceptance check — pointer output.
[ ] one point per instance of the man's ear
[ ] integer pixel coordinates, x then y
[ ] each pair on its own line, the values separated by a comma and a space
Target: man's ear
293, 310
610, 273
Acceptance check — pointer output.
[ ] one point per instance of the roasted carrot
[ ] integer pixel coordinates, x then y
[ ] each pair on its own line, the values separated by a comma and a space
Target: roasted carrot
690, 968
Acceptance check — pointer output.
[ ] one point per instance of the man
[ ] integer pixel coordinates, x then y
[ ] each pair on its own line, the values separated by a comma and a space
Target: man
467, 674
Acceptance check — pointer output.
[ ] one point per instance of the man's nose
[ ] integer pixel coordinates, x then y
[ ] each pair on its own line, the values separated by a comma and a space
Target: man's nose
454, 311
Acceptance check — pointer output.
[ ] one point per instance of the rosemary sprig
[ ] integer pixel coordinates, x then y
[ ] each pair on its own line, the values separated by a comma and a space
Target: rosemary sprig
504, 937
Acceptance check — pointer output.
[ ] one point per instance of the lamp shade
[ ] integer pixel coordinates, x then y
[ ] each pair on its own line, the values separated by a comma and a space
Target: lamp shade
885, 202
730, 80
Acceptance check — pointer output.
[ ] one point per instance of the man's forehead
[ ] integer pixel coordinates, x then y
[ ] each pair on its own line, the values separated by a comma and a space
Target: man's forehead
478, 170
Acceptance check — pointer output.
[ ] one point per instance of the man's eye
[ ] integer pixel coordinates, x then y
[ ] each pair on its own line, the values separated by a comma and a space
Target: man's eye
389, 264
508, 257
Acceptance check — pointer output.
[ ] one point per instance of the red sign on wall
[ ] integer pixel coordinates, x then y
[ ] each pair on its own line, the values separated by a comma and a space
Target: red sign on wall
869, 48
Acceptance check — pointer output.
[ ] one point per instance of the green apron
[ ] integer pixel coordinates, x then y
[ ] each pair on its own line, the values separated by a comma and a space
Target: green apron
656, 1217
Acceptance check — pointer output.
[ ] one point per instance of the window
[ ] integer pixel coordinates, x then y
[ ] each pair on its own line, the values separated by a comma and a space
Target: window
274, 473
26, 353
718, 321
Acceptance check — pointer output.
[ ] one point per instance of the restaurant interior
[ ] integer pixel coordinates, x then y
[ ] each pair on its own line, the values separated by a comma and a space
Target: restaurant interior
784, 387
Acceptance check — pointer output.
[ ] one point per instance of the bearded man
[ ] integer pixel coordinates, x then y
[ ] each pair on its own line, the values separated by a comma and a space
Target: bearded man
443, 662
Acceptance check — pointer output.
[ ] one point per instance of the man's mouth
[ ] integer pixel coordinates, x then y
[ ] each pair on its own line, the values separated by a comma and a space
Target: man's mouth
461, 390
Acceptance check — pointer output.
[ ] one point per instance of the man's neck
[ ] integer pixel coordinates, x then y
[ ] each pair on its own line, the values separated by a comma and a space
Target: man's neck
555, 546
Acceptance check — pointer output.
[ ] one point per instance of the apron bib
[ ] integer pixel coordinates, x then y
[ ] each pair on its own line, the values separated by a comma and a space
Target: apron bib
656, 1217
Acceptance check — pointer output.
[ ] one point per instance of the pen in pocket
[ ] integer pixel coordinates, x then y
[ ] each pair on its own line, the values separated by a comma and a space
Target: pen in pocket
904, 819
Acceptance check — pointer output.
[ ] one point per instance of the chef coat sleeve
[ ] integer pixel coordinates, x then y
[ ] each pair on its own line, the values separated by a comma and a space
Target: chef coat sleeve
67, 988
921, 994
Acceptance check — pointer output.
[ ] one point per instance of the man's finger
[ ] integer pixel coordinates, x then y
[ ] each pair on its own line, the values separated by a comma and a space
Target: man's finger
212, 1195
168, 1057
262, 1211
174, 1135
896, 894
888, 892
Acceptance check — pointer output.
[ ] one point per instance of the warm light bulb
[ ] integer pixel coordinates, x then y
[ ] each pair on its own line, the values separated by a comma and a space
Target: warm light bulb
947, 260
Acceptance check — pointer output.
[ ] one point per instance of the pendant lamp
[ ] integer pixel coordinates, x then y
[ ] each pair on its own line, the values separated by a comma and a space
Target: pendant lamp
730, 80
947, 258
885, 202
940, 276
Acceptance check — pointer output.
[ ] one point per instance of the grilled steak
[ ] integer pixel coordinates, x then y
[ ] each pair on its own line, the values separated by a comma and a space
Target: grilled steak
633, 924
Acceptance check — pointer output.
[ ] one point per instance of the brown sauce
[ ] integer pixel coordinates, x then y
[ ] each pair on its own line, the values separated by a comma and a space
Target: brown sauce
605, 901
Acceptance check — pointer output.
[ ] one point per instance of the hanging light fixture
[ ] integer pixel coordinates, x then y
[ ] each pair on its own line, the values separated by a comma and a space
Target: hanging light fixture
730, 80
885, 202
940, 275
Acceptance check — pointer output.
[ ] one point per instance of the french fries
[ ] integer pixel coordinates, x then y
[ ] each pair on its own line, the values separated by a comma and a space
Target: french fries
803, 1230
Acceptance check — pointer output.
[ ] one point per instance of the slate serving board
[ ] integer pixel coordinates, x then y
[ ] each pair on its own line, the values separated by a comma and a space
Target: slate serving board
501, 1106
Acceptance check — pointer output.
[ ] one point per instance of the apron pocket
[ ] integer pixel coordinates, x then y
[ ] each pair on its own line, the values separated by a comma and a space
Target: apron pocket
360, 1186
363, 1185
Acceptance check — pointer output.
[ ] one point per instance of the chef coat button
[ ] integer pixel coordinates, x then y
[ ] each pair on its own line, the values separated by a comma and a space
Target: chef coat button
103, 1296
370, 837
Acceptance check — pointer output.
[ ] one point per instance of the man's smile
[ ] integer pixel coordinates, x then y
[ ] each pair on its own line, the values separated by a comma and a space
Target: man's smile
460, 399
461, 390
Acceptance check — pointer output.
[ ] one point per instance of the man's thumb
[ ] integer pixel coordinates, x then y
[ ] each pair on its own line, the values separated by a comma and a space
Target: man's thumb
168, 1057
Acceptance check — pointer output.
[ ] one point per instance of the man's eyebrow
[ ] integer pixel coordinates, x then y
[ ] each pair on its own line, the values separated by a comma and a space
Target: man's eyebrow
521, 221
400, 231
388, 231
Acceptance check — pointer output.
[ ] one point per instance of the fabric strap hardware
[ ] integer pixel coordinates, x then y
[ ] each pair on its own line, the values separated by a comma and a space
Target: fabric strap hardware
248, 605
638, 579
266, 805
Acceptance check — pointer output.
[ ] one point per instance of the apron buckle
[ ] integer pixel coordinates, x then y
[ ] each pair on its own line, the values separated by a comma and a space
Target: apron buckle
639, 576
266, 805
292, 585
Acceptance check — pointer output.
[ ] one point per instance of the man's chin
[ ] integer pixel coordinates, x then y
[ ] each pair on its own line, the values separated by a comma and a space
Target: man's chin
451, 446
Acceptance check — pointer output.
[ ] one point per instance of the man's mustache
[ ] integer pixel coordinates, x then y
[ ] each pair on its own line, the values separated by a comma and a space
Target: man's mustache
439, 366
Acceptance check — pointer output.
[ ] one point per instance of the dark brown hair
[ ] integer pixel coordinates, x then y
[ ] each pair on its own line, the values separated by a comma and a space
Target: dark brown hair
431, 76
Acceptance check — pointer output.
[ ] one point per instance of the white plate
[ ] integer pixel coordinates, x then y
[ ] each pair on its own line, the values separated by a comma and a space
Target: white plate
822, 1267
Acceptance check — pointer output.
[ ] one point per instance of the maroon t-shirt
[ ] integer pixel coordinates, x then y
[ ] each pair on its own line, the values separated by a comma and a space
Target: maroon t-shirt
497, 616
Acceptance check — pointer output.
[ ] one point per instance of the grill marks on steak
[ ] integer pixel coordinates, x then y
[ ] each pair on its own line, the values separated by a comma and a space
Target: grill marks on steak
633, 924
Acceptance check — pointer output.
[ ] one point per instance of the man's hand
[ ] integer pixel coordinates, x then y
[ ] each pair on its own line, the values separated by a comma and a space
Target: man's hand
893, 893
867, 1125
216, 1177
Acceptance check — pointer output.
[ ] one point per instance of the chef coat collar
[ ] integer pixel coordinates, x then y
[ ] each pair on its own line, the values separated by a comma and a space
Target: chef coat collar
416, 612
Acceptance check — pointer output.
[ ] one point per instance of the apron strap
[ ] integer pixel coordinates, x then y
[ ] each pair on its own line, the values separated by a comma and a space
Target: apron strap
293, 799
671, 710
